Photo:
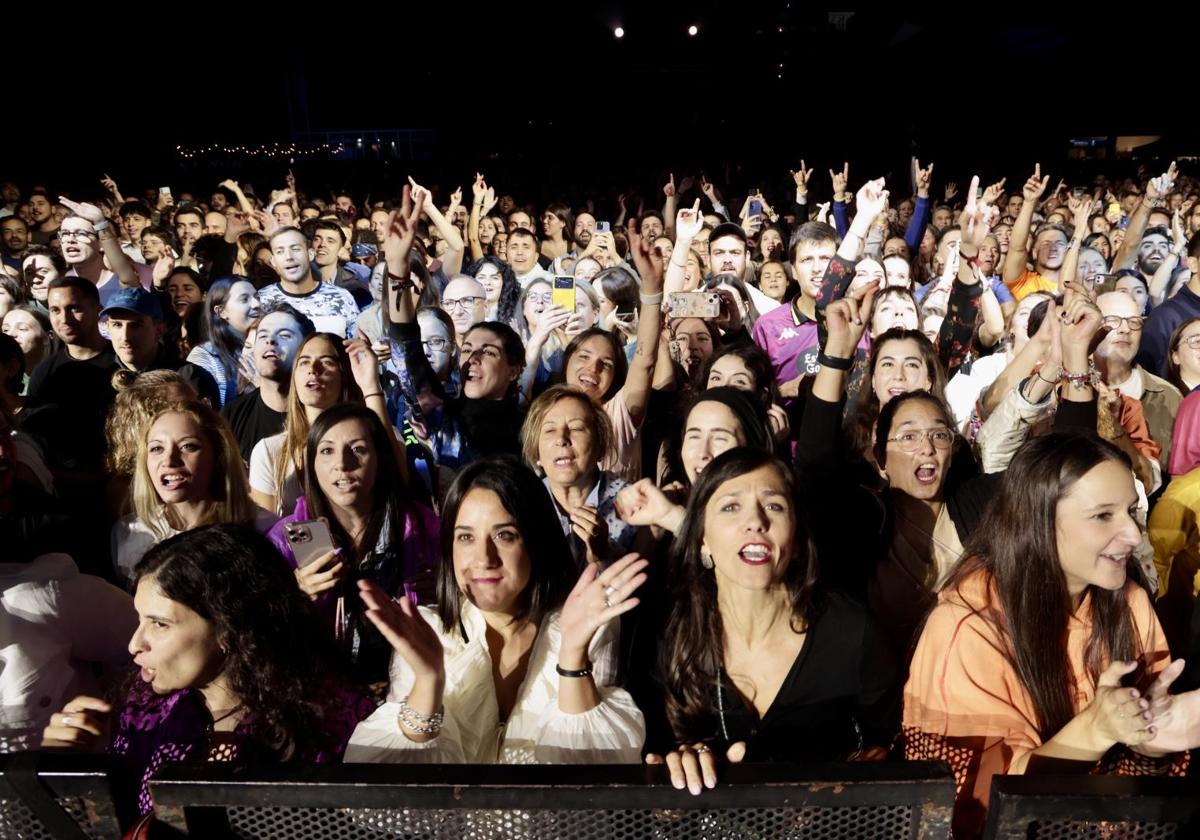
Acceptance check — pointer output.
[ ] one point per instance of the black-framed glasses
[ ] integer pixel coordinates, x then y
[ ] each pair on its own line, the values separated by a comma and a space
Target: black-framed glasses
911, 441
76, 235
463, 302
1114, 322
436, 344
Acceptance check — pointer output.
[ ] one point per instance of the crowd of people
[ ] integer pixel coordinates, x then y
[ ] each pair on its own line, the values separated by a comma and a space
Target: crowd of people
884, 478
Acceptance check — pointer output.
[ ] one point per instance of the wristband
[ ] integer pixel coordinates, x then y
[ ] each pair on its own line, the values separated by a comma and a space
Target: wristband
372, 394
651, 300
582, 672
834, 362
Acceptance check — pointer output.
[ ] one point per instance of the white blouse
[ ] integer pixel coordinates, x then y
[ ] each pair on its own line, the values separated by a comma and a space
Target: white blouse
537, 732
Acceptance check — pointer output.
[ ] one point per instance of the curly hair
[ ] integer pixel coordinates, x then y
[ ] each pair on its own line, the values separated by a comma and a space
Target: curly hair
277, 657
510, 289
139, 400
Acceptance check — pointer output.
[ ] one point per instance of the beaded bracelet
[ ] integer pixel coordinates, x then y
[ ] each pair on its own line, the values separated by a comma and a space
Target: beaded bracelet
1081, 380
414, 721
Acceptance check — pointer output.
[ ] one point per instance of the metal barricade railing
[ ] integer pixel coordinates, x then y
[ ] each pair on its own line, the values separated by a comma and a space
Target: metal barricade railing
1093, 808
48, 797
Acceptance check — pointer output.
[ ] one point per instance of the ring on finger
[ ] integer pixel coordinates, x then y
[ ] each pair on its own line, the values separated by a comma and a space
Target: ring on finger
66, 720
703, 748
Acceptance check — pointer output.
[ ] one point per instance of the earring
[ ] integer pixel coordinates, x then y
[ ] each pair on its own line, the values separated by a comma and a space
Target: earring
706, 560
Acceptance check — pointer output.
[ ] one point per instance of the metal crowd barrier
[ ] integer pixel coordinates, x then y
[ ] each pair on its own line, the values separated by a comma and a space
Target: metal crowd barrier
1093, 808
48, 797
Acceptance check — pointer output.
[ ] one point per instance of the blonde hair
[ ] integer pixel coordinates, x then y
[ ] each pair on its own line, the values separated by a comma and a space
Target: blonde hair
603, 438
230, 491
296, 425
139, 400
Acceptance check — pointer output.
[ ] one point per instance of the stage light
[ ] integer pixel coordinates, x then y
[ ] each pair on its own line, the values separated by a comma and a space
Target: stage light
693, 29
619, 32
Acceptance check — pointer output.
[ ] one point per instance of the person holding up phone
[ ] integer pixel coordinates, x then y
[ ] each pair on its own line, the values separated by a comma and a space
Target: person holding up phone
355, 522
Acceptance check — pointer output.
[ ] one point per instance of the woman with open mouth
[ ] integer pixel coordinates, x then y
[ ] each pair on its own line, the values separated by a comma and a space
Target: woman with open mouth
565, 438
230, 309
1027, 663
905, 514
353, 482
187, 473
760, 662
213, 605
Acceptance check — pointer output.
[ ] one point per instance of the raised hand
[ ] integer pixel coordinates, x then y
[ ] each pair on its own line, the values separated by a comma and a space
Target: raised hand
950, 191
231, 185
669, 187
1035, 185
840, 179
597, 598
1119, 714
1156, 188
90, 212
646, 259
975, 219
993, 192
456, 197
111, 185
478, 188
642, 503
419, 193
1081, 320
686, 183
364, 365
801, 176
924, 179
706, 187
401, 230
872, 198
688, 222
162, 267
406, 630
846, 320
1178, 238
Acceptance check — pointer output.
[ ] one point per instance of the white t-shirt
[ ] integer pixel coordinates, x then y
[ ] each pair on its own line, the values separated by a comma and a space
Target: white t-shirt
263, 460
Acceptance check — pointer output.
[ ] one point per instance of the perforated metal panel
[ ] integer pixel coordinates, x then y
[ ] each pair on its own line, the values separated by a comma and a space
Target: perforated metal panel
17, 822
1103, 830
434, 824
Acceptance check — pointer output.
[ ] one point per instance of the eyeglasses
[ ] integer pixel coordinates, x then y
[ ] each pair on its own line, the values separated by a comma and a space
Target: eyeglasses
1114, 322
437, 345
911, 441
543, 297
1192, 341
76, 235
462, 303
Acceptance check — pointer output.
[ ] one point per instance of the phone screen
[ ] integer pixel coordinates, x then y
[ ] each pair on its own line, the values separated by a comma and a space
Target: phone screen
755, 207
563, 293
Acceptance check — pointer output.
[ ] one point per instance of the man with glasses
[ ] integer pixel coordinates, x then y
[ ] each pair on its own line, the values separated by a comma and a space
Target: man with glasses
465, 302
88, 240
1115, 363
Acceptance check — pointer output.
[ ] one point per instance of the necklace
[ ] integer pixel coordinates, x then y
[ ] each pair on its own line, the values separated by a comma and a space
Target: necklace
212, 726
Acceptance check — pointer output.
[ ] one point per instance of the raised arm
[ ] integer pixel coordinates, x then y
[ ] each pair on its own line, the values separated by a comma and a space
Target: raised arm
118, 261
1161, 282
236, 188
1015, 261
669, 206
688, 222
481, 192
641, 368
870, 202
452, 259
1155, 189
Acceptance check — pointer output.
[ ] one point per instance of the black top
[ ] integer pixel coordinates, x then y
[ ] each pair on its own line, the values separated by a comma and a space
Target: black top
252, 420
67, 405
841, 694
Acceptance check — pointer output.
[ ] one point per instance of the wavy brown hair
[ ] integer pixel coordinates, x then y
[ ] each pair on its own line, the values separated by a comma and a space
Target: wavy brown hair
693, 645
1016, 545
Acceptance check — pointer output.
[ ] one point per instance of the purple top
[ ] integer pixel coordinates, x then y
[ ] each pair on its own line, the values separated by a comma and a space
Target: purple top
157, 728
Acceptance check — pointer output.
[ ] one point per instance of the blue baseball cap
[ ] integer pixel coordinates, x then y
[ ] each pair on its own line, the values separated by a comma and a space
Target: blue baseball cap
134, 300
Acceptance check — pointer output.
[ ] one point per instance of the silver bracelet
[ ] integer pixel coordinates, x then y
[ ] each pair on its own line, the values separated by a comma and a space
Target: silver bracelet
651, 300
412, 720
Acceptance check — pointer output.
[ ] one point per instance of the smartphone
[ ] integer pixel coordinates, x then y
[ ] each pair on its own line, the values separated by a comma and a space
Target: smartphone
165, 192
755, 207
1077, 192
693, 305
1105, 283
563, 293
309, 540
603, 227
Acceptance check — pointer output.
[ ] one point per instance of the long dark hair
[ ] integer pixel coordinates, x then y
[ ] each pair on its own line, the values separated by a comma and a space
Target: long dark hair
1016, 544
620, 360
277, 660
693, 645
226, 342
860, 420
510, 288
388, 495
552, 569
756, 361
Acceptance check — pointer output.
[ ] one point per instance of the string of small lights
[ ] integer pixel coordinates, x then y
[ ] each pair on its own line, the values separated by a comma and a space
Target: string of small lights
273, 150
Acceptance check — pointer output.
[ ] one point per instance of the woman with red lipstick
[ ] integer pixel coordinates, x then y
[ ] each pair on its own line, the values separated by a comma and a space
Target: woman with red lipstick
188, 473
513, 665
232, 665
1026, 665
758, 662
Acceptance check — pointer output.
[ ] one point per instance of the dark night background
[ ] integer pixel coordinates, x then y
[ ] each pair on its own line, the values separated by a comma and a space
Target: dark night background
549, 104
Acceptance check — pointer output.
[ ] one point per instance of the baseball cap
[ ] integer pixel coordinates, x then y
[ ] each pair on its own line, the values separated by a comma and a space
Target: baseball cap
134, 300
